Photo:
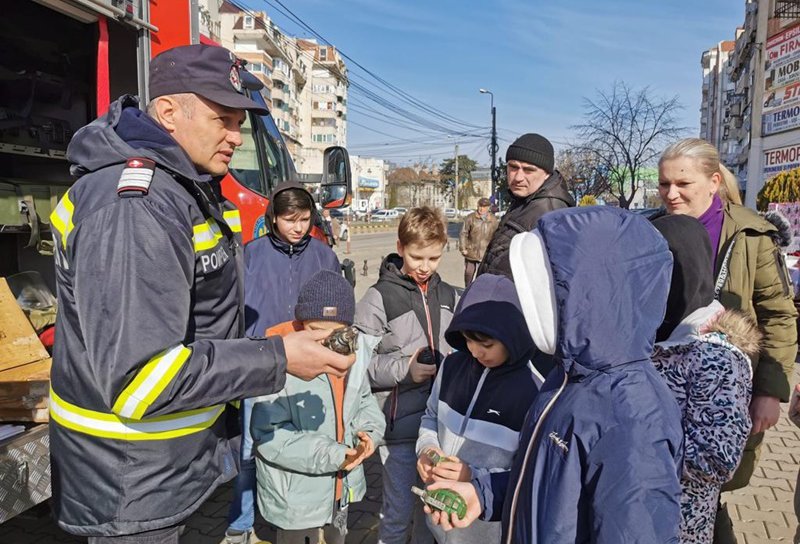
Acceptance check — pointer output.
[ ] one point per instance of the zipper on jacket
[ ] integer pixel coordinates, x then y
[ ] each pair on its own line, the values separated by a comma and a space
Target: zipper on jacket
427, 317
783, 272
512, 513
460, 439
395, 396
339, 473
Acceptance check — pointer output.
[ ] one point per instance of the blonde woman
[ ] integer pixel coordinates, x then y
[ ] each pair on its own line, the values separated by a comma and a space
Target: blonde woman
750, 275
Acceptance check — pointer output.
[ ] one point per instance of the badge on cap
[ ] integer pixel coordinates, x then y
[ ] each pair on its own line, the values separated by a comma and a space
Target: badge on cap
329, 311
137, 176
236, 81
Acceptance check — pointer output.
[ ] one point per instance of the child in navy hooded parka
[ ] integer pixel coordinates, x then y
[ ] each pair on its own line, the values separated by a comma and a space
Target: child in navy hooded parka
477, 407
601, 450
600, 457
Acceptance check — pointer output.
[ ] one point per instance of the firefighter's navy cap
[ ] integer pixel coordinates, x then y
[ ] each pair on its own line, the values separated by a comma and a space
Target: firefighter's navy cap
207, 70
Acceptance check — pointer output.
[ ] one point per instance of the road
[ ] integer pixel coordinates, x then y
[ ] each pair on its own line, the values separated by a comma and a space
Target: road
373, 247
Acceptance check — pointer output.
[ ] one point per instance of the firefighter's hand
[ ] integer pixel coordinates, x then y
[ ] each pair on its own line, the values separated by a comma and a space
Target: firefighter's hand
420, 372
306, 358
466, 490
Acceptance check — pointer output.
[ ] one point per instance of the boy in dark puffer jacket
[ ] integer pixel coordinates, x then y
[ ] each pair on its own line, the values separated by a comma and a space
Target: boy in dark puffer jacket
404, 313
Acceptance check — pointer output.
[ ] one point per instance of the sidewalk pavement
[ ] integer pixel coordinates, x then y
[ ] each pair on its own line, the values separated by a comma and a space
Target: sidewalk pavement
763, 512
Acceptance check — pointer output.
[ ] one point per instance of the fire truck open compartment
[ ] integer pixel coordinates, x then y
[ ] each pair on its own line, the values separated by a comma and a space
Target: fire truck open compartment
48, 90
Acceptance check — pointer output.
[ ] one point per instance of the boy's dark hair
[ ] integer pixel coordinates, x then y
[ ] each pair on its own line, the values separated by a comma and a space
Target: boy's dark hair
290, 201
476, 336
423, 226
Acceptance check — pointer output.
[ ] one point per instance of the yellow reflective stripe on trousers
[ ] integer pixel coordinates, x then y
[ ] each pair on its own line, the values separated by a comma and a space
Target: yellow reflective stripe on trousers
233, 219
61, 218
205, 235
121, 428
150, 381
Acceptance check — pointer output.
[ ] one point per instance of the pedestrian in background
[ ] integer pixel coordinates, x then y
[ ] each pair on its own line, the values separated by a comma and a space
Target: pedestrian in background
313, 436
406, 314
536, 188
750, 276
476, 232
703, 352
150, 331
275, 268
327, 226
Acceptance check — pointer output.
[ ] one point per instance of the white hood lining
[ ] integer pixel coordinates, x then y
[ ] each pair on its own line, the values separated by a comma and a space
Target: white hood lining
533, 279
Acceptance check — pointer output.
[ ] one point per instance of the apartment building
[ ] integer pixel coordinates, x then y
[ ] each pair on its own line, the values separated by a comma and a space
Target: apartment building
717, 85
306, 82
324, 104
763, 111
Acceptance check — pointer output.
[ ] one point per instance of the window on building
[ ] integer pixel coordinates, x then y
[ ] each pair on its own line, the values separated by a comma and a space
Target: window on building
249, 22
323, 53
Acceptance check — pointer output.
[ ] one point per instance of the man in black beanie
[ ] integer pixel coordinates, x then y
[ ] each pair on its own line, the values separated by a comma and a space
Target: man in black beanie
536, 188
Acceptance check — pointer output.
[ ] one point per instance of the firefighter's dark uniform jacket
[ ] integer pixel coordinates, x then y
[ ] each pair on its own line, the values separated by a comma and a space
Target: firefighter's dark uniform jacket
149, 345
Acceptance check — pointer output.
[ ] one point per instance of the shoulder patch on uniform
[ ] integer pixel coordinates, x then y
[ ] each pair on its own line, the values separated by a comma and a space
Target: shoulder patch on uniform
137, 176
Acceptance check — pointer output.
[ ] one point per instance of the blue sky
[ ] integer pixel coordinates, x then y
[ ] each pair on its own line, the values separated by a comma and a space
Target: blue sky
538, 58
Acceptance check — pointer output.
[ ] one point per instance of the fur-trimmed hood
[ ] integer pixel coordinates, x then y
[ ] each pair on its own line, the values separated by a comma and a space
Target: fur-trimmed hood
739, 329
783, 237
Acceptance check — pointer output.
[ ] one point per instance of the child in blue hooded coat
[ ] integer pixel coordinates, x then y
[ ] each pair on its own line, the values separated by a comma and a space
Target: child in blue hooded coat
480, 396
601, 450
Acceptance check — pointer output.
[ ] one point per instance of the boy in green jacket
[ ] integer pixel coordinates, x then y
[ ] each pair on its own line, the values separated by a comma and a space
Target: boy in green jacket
312, 437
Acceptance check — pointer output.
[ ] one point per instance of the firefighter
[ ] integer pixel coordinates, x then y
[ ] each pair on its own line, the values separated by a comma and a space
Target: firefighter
150, 347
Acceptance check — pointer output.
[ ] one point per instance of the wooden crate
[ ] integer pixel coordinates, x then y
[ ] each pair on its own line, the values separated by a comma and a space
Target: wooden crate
24, 365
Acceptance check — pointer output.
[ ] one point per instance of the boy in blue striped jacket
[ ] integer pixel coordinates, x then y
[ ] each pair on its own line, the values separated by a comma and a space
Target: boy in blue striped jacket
480, 397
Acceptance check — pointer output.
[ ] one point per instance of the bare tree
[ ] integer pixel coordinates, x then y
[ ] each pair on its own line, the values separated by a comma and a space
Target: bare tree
582, 172
625, 130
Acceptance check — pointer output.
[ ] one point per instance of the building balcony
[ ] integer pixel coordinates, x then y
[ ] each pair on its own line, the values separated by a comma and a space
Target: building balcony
326, 114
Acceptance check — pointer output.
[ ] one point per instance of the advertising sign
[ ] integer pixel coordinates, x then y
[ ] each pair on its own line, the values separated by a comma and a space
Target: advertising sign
783, 74
781, 81
779, 160
785, 96
368, 183
783, 47
780, 120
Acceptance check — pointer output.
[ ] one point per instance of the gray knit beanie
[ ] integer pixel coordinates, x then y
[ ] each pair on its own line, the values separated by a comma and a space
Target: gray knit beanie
326, 296
534, 149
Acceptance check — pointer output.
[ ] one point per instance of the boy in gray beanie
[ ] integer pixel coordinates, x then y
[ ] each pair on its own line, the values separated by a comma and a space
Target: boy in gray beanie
536, 188
312, 437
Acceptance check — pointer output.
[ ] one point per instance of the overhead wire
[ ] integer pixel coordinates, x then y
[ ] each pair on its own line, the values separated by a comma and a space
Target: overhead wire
363, 87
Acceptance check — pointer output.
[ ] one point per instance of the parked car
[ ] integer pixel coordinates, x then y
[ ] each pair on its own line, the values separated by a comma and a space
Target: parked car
450, 213
401, 211
385, 215
647, 212
464, 213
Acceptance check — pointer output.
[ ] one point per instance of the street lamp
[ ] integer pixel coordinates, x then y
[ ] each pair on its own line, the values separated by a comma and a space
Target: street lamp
493, 145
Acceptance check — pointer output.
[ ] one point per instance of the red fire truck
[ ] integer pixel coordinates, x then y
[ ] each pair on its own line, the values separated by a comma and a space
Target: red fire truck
61, 63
